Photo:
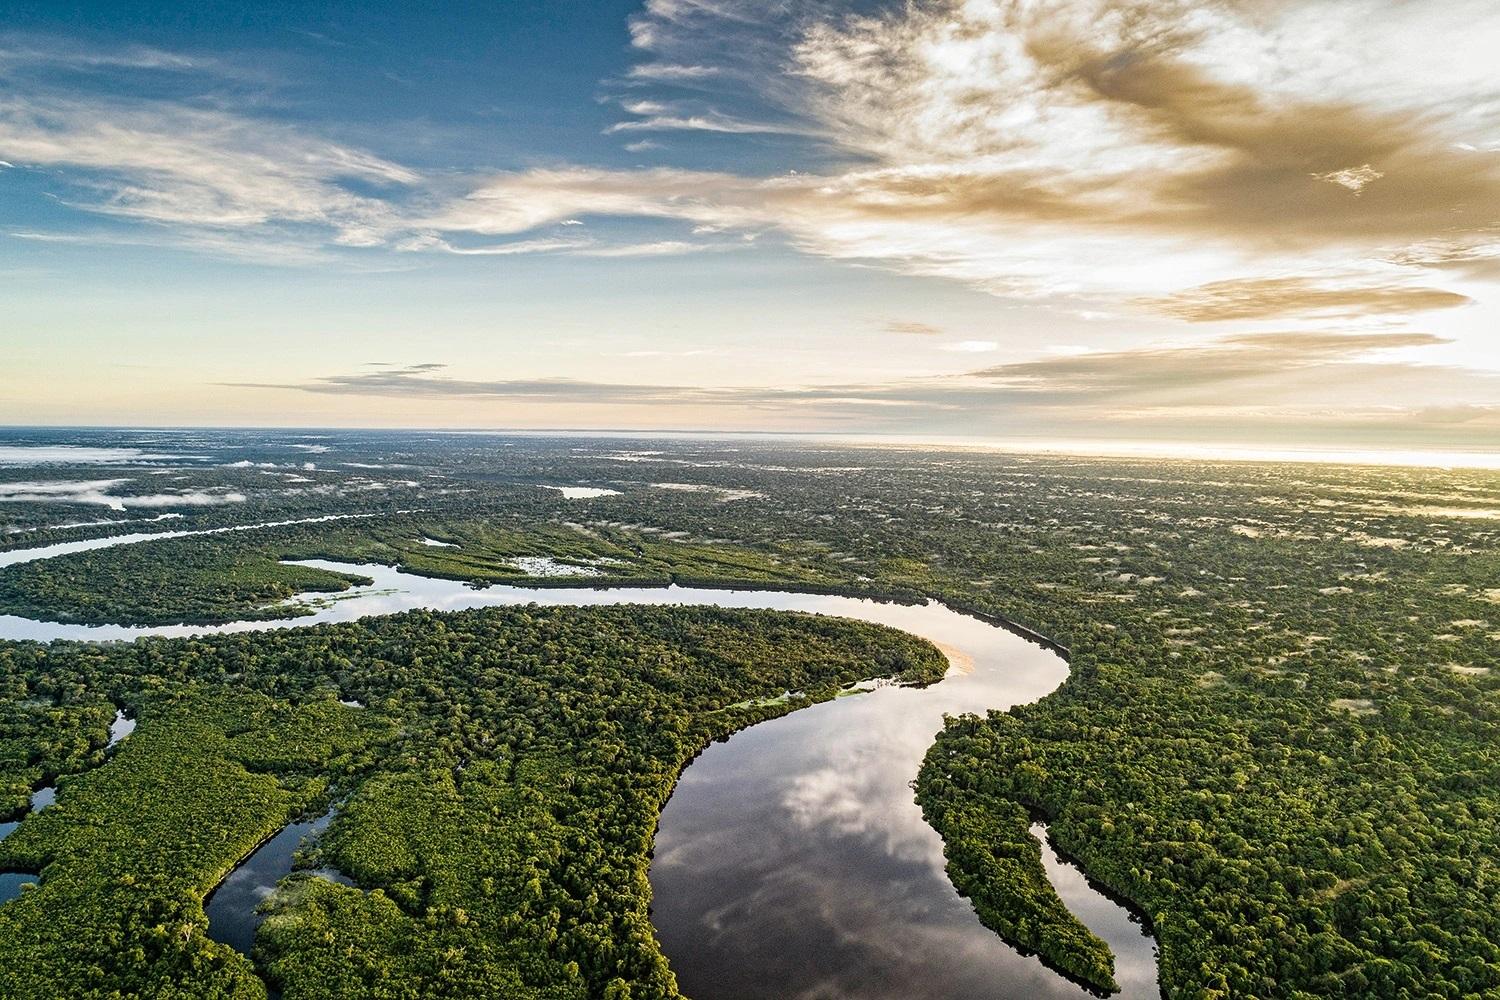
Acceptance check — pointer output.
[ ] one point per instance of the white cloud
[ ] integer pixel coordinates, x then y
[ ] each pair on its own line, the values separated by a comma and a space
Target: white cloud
710, 121
1097, 155
179, 164
671, 71
1089, 148
659, 248
513, 248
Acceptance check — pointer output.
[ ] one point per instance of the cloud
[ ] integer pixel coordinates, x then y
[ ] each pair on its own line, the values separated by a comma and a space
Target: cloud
581, 247
243, 244
971, 346
513, 203
1100, 157
19, 51
426, 380
709, 121
1315, 387
429, 242
1092, 147
1205, 375
186, 163
658, 248
178, 164
1276, 298
919, 329
203, 169
674, 72
1096, 153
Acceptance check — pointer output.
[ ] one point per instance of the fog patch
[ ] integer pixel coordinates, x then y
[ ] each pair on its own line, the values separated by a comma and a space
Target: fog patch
99, 491
67, 454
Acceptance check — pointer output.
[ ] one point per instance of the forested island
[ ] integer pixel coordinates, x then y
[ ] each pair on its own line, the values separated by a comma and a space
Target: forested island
1278, 741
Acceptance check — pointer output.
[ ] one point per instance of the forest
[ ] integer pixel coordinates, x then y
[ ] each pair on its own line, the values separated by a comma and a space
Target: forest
498, 792
1280, 740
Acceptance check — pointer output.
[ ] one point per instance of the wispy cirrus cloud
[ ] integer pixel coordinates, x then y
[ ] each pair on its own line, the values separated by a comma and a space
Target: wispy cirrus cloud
185, 163
709, 121
675, 116
912, 327
201, 169
675, 72
431, 241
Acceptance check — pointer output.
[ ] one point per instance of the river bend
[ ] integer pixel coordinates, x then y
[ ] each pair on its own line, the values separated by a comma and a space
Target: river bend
791, 861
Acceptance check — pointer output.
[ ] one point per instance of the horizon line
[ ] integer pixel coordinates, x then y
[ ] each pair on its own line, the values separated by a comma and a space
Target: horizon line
1121, 449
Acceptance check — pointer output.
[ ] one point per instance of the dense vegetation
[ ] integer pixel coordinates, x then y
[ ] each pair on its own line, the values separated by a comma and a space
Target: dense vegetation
245, 575
499, 794
133, 845
1281, 738
994, 860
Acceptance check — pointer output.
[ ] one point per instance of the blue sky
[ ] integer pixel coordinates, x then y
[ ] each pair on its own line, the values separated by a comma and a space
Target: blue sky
1083, 219
518, 76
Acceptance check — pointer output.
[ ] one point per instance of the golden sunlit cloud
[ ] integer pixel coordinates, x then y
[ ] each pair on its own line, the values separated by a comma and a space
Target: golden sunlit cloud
1172, 155
1204, 185
1276, 298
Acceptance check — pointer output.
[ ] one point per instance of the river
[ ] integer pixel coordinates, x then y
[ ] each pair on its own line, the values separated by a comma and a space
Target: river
791, 861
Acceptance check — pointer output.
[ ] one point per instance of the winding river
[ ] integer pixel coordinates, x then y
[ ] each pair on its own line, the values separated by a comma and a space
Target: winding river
791, 861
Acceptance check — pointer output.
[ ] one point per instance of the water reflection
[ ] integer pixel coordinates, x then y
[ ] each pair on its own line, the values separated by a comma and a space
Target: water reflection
792, 861
11, 882
120, 728
232, 916
1135, 963
14, 557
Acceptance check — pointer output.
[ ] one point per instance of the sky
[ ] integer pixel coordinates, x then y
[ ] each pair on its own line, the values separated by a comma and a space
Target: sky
1236, 223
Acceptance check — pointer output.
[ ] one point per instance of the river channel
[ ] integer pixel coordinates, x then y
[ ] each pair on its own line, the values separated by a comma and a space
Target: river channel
791, 861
